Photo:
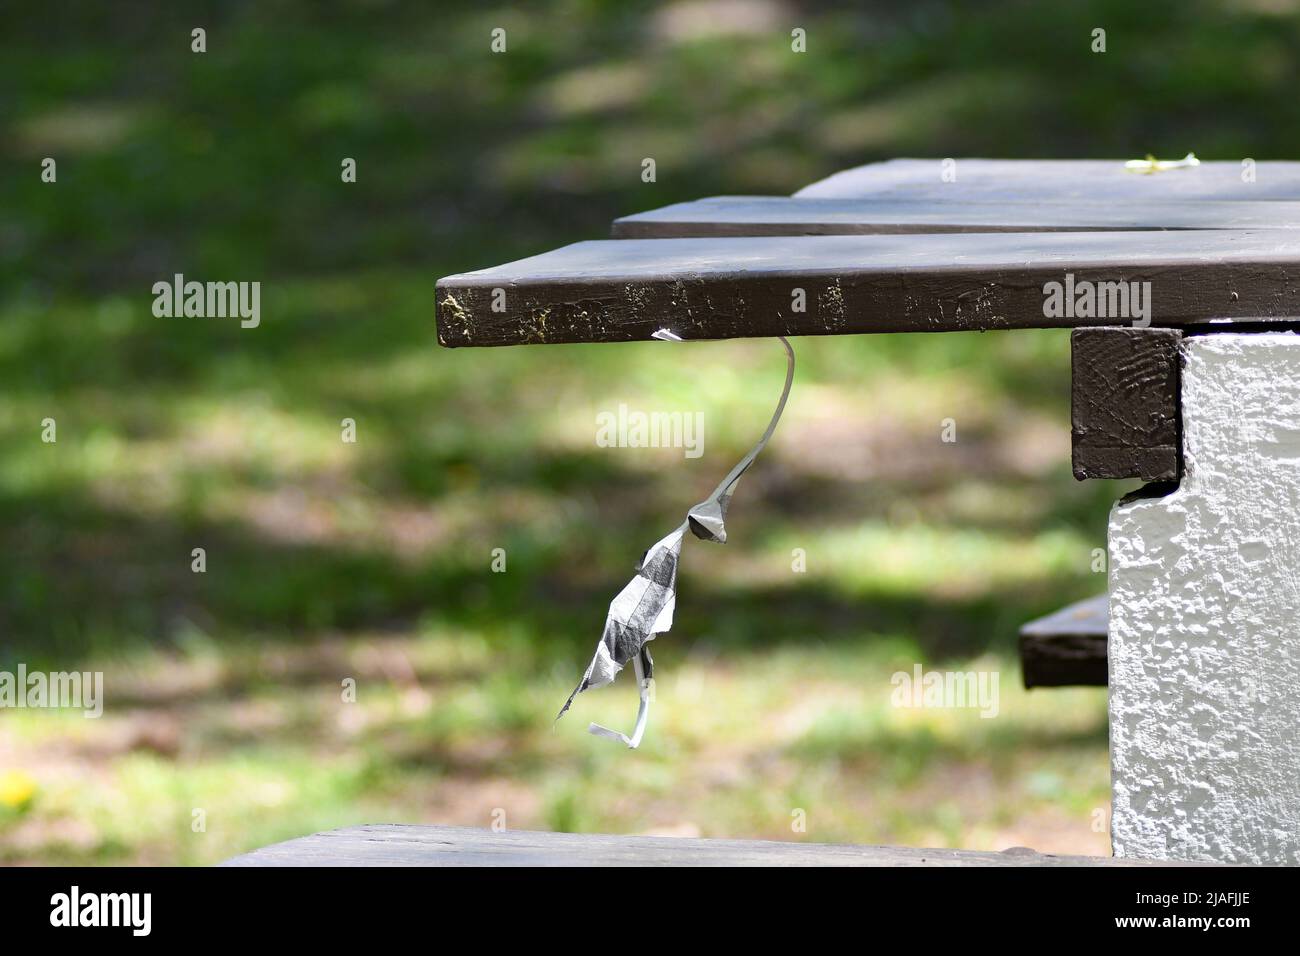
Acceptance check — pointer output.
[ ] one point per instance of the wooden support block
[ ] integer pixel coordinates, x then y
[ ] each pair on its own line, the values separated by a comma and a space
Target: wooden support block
1124, 403
721, 216
1067, 648
625, 290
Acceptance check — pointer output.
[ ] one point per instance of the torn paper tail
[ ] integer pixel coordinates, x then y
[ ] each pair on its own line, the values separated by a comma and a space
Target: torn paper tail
642, 714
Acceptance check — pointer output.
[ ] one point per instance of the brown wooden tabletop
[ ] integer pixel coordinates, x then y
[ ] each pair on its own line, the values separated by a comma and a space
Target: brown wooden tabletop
891, 247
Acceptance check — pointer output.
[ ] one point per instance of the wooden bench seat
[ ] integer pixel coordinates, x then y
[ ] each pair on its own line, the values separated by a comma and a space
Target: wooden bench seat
1068, 647
393, 845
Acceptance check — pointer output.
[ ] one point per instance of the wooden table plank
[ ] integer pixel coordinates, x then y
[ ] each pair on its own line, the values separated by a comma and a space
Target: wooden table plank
719, 216
1067, 648
624, 290
1036, 180
392, 845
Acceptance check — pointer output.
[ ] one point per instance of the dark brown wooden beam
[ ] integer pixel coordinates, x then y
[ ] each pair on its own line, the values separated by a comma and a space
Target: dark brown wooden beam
721, 216
1067, 648
625, 290
1125, 415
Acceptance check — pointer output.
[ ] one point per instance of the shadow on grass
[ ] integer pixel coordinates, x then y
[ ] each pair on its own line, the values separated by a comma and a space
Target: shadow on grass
81, 580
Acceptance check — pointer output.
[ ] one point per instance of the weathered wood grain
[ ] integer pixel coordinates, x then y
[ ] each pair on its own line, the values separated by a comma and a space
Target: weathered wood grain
1035, 180
392, 845
1124, 409
624, 290
721, 216
1068, 647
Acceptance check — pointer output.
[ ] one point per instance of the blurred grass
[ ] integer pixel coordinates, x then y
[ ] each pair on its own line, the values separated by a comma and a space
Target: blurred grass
328, 560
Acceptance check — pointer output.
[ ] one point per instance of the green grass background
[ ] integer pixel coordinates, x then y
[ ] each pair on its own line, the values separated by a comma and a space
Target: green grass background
328, 560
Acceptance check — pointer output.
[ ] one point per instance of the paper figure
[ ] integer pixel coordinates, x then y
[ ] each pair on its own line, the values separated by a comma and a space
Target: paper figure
644, 608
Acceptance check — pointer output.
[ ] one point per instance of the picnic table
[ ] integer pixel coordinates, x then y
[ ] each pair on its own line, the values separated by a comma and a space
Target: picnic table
1181, 287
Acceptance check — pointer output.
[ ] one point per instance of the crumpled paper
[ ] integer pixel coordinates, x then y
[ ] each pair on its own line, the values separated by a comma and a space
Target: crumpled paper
644, 608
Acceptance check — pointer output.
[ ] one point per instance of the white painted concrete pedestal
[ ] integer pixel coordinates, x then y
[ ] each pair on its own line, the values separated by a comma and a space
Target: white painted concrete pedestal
1205, 621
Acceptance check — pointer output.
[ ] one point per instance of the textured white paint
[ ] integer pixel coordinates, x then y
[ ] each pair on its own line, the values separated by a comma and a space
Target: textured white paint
1205, 621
